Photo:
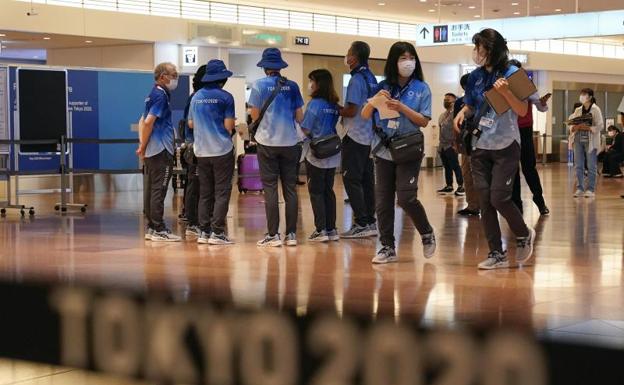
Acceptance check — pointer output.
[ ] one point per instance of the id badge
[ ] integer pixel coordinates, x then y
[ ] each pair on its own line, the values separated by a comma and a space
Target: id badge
393, 124
486, 122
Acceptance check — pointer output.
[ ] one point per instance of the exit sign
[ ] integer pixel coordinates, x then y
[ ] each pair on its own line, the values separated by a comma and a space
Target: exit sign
302, 40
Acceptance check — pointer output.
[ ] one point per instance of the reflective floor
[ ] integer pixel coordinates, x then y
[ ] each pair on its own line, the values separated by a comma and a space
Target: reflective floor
574, 291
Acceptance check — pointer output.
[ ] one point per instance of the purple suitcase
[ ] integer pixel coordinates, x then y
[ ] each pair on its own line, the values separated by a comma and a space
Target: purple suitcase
249, 173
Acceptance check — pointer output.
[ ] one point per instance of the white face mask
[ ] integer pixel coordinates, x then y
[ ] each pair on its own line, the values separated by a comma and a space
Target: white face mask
584, 99
173, 84
478, 59
406, 68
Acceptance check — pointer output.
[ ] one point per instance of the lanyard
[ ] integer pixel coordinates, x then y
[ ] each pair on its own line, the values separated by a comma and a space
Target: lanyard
399, 95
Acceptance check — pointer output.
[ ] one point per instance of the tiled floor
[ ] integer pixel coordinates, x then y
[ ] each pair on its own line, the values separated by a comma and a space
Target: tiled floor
575, 290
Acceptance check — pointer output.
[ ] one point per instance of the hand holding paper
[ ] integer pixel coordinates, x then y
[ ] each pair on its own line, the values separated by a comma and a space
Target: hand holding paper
380, 102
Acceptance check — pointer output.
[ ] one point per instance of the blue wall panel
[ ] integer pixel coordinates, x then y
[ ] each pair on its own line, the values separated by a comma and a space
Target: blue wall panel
84, 108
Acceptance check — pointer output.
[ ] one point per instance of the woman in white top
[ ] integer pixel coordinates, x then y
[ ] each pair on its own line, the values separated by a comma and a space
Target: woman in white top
586, 141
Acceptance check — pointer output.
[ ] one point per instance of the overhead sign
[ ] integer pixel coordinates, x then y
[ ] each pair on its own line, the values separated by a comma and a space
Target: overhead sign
190, 56
302, 40
263, 38
526, 28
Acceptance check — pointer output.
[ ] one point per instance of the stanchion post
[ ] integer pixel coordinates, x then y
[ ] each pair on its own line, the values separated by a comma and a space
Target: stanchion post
544, 155
63, 181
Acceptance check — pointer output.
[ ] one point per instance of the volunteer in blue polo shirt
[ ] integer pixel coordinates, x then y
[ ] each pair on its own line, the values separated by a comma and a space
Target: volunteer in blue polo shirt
156, 148
278, 148
408, 94
191, 189
496, 152
211, 117
320, 119
357, 165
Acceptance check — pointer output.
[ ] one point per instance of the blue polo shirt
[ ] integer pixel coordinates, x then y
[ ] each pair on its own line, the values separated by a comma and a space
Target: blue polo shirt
278, 127
157, 104
504, 128
210, 106
320, 119
417, 96
362, 86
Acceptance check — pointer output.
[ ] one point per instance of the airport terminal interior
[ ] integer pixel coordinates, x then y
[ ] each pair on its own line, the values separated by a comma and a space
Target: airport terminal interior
125, 259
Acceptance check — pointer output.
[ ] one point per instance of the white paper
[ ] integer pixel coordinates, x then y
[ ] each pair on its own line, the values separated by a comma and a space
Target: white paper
379, 102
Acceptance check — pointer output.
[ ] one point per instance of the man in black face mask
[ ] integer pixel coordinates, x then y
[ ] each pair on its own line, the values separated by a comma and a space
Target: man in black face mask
448, 154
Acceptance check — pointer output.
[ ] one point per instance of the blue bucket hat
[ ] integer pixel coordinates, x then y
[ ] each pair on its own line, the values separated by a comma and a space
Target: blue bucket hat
272, 59
215, 71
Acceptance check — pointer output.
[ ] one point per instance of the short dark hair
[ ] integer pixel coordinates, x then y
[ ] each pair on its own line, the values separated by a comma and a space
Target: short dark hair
589, 92
325, 85
496, 47
197, 78
613, 128
451, 94
391, 70
464, 81
361, 50
515, 62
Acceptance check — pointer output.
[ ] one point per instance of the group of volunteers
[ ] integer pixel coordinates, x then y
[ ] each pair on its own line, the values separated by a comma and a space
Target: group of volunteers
380, 154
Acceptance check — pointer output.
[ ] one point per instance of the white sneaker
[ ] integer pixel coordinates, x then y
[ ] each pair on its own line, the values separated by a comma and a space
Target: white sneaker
579, 193
219, 239
165, 236
270, 241
524, 247
203, 238
290, 240
429, 244
319, 236
386, 254
371, 230
148, 234
590, 194
333, 235
193, 231
495, 260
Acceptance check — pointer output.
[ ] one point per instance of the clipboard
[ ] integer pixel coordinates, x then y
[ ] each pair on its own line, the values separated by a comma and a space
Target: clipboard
519, 84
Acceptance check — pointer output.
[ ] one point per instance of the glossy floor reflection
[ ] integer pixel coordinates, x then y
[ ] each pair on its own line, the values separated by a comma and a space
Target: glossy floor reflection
575, 290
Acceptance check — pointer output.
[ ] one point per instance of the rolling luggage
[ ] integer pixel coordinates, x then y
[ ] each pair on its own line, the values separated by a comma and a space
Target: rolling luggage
248, 173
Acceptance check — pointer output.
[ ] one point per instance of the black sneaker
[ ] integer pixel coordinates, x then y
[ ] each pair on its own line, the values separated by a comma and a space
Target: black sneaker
446, 190
544, 210
469, 213
460, 192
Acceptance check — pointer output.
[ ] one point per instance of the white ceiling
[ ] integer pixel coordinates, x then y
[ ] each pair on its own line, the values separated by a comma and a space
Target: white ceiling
450, 10
25, 41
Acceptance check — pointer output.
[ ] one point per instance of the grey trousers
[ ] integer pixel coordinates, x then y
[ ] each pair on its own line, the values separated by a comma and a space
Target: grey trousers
279, 163
494, 172
400, 180
158, 169
215, 187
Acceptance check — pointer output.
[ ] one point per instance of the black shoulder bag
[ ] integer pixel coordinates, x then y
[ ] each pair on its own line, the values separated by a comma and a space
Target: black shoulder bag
253, 127
326, 146
404, 148
471, 128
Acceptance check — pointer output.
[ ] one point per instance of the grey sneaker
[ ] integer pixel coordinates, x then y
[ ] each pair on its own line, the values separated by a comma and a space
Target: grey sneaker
371, 230
495, 260
203, 238
290, 240
356, 231
333, 235
165, 236
193, 231
270, 241
524, 247
429, 244
148, 234
319, 236
579, 193
219, 239
386, 254
590, 194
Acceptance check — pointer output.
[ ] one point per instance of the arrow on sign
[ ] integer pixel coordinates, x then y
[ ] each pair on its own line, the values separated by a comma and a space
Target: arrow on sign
424, 32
